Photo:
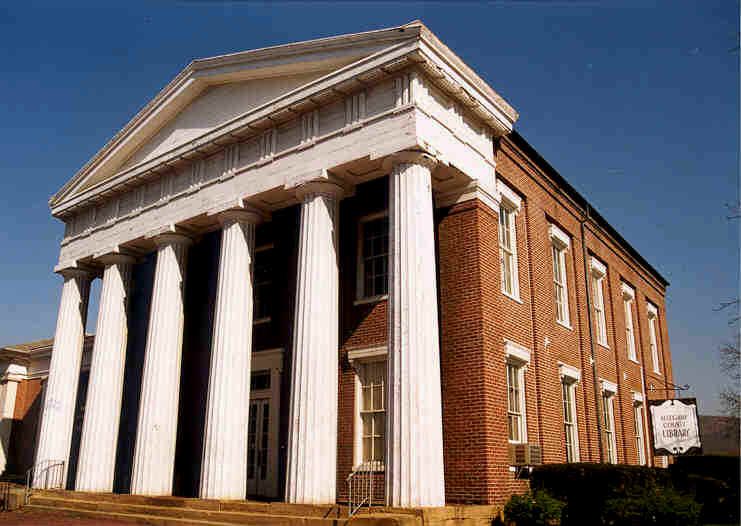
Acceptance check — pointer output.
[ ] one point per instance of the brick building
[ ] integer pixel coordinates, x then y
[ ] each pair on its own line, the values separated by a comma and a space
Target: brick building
429, 297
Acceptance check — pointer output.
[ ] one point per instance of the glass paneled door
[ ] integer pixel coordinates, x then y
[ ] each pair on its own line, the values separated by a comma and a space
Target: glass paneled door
259, 449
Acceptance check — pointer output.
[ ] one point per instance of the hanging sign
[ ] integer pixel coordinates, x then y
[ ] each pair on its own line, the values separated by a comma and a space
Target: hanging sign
676, 429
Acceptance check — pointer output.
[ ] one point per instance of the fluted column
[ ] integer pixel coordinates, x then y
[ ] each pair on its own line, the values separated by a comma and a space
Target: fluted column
414, 443
96, 464
64, 372
154, 455
224, 471
312, 432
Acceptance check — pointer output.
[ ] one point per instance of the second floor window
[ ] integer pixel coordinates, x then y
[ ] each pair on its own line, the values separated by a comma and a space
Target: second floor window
630, 339
653, 338
263, 283
508, 251
598, 302
559, 284
373, 256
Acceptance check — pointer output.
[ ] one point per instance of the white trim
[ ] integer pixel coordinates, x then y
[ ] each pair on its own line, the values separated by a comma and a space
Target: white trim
567, 372
637, 397
267, 359
559, 237
516, 353
508, 197
608, 386
628, 291
371, 299
652, 310
598, 268
367, 354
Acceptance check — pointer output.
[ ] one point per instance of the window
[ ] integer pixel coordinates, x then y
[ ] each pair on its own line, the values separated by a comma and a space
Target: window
571, 433
628, 295
608, 424
372, 380
561, 243
638, 425
652, 339
508, 251
515, 403
598, 301
373, 252
263, 284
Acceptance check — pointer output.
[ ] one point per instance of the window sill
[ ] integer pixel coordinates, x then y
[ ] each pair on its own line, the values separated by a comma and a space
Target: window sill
379, 468
656, 372
262, 321
565, 325
634, 360
370, 299
513, 297
604, 345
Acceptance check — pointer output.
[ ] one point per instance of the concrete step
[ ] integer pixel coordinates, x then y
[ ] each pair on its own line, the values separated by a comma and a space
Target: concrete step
138, 518
172, 514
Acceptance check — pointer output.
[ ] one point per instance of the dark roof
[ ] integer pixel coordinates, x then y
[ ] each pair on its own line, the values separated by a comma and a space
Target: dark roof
582, 202
39, 345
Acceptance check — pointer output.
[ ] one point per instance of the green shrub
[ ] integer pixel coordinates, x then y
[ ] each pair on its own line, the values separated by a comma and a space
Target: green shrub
665, 507
714, 482
536, 508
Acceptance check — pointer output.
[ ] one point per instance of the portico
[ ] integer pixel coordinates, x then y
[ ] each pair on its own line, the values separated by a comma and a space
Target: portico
234, 147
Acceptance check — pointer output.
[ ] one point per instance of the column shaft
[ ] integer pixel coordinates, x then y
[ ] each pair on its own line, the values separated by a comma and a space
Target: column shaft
96, 464
414, 458
312, 435
154, 454
224, 472
61, 387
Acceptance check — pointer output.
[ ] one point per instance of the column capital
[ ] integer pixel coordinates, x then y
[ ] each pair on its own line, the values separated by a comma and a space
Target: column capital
170, 235
115, 255
75, 270
423, 158
238, 211
312, 189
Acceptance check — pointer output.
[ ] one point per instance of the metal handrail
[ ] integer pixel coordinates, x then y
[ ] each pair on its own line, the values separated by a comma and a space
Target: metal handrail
47, 474
360, 486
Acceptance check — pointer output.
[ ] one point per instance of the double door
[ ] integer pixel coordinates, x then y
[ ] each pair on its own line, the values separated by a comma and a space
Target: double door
260, 449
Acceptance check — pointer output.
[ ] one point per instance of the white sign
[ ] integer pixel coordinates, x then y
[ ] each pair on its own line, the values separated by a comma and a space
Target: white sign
675, 426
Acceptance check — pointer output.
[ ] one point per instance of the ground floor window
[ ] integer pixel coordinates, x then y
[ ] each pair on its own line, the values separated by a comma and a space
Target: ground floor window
516, 402
372, 411
608, 427
640, 443
571, 436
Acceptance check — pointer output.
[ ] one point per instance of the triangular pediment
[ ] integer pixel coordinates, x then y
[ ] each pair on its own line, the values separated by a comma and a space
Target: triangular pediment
212, 92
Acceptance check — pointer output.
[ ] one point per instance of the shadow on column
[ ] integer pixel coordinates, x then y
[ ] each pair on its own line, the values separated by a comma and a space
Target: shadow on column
200, 299
142, 281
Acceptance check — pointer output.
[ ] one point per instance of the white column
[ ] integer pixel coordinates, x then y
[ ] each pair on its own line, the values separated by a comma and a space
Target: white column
224, 468
154, 455
414, 442
312, 433
64, 372
96, 464
14, 374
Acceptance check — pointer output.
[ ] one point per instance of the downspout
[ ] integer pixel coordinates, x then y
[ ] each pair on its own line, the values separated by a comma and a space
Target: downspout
593, 354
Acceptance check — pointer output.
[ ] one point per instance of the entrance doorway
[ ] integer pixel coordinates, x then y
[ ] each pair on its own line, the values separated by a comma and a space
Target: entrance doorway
263, 426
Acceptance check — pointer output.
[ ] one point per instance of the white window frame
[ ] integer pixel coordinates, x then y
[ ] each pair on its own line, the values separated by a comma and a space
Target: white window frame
630, 336
570, 377
509, 206
361, 296
653, 340
609, 390
638, 423
360, 359
599, 271
560, 244
517, 359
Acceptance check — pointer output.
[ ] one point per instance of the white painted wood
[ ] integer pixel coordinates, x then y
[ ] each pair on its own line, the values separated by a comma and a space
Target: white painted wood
154, 456
414, 448
224, 467
97, 459
64, 371
8, 393
312, 430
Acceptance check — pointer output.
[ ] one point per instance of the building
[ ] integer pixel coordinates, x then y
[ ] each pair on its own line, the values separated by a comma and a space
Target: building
427, 293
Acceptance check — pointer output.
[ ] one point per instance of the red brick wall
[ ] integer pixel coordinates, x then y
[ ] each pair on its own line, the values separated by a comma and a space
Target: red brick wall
25, 423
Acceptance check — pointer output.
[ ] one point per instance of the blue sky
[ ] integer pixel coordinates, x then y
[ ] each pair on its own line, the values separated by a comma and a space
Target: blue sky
636, 105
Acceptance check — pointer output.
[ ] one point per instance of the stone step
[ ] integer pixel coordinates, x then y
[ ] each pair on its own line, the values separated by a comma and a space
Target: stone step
138, 518
178, 515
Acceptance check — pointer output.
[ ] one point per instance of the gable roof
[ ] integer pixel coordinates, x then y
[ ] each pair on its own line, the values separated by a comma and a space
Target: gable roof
333, 54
